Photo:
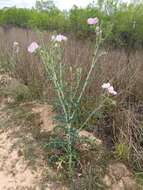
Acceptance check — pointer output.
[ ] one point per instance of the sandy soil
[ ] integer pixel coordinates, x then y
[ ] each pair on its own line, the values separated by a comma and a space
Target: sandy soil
15, 171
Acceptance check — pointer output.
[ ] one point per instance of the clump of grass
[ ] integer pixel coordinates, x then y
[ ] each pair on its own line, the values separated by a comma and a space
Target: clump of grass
129, 137
92, 171
89, 180
139, 179
19, 92
122, 151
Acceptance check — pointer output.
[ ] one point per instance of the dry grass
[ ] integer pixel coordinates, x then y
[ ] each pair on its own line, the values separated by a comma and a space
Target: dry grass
125, 73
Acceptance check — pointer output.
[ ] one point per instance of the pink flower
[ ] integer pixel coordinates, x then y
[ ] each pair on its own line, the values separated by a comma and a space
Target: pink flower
106, 85
33, 47
59, 38
112, 91
92, 21
109, 88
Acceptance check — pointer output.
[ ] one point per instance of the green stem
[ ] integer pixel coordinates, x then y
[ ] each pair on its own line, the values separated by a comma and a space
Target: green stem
60, 95
90, 116
87, 79
69, 148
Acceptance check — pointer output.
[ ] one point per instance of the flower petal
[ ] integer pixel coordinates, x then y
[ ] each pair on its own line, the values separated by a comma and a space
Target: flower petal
33, 47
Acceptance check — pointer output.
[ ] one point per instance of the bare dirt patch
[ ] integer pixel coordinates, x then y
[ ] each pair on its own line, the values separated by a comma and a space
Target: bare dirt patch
22, 164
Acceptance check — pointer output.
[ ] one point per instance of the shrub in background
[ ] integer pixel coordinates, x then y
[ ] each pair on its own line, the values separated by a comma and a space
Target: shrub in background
126, 21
